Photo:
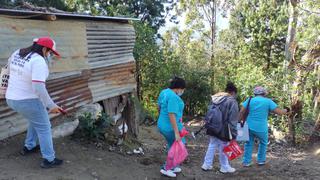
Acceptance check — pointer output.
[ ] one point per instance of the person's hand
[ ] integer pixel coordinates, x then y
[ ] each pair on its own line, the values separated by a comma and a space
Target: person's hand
241, 123
55, 110
177, 136
287, 109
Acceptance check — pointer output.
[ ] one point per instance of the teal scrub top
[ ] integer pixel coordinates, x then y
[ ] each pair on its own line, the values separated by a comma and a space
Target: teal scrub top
169, 102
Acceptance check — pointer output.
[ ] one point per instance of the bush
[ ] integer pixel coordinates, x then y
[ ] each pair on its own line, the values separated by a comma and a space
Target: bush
92, 128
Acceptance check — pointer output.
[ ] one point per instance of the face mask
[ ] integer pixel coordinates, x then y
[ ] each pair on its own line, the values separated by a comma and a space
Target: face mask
180, 93
49, 57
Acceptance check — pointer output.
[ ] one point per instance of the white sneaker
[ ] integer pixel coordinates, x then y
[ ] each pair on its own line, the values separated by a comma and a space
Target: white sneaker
177, 170
168, 173
206, 167
227, 170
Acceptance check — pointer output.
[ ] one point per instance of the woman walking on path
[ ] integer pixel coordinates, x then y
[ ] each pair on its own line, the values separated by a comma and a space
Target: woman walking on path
170, 114
228, 105
257, 120
27, 95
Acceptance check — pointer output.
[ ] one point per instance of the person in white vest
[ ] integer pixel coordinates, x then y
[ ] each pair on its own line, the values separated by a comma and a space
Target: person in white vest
27, 95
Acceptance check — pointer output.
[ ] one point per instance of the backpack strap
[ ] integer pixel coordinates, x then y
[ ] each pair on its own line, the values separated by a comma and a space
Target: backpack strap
247, 108
246, 113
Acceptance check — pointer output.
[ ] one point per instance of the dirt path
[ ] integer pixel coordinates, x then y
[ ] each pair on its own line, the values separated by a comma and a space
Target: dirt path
88, 162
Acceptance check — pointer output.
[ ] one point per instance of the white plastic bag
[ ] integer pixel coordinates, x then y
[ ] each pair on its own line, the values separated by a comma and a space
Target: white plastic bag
243, 132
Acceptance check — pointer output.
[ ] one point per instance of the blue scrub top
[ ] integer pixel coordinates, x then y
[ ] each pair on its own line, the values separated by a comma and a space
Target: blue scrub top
259, 109
169, 102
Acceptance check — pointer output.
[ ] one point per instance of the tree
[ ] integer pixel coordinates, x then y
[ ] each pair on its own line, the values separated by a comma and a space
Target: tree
305, 69
292, 28
290, 49
199, 15
308, 63
152, 11
59, 4
148, 58
187, 57
263, 25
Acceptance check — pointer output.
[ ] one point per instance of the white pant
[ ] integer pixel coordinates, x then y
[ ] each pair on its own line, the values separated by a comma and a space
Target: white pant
215, 143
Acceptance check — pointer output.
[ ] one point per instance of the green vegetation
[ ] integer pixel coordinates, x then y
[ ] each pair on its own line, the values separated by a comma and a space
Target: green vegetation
273, 43
92, 128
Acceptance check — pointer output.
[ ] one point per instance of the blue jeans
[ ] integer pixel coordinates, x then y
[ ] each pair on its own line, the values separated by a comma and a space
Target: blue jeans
262, 149
39, 125
170, 138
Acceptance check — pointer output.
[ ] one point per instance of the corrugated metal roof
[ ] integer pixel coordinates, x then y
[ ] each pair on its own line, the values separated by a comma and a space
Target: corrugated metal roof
15, 12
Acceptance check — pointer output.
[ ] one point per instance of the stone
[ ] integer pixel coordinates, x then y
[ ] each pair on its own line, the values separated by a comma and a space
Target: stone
64, 129
95, 109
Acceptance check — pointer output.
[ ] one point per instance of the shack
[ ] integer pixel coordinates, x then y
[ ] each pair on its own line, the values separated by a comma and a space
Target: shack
96, 65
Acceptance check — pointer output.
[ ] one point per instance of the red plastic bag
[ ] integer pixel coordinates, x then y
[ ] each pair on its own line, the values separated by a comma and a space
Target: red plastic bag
183, 132
176, 155
233, 150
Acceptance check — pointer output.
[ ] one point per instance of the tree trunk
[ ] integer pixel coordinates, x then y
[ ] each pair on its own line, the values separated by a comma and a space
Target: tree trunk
315, 137
291, 34
138, 79
296, 106
213, 34
308, 63
289, 52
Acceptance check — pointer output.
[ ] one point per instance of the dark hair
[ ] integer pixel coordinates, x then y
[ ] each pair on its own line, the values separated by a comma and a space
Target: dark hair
177, 83
230, 87
34, 48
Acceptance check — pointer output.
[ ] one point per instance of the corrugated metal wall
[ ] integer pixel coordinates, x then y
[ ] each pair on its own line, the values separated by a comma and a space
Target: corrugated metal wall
109, 43
97, 62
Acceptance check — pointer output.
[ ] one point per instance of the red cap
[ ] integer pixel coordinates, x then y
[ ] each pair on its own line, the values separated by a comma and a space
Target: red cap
47, 42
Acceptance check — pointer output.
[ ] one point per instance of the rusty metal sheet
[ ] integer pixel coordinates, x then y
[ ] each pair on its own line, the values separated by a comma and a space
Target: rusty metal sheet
109, 44
97, 62
70, 37
12, 125
74, 91
114, 80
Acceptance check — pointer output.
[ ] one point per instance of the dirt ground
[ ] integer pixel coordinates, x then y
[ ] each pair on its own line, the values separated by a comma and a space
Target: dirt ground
83, 161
